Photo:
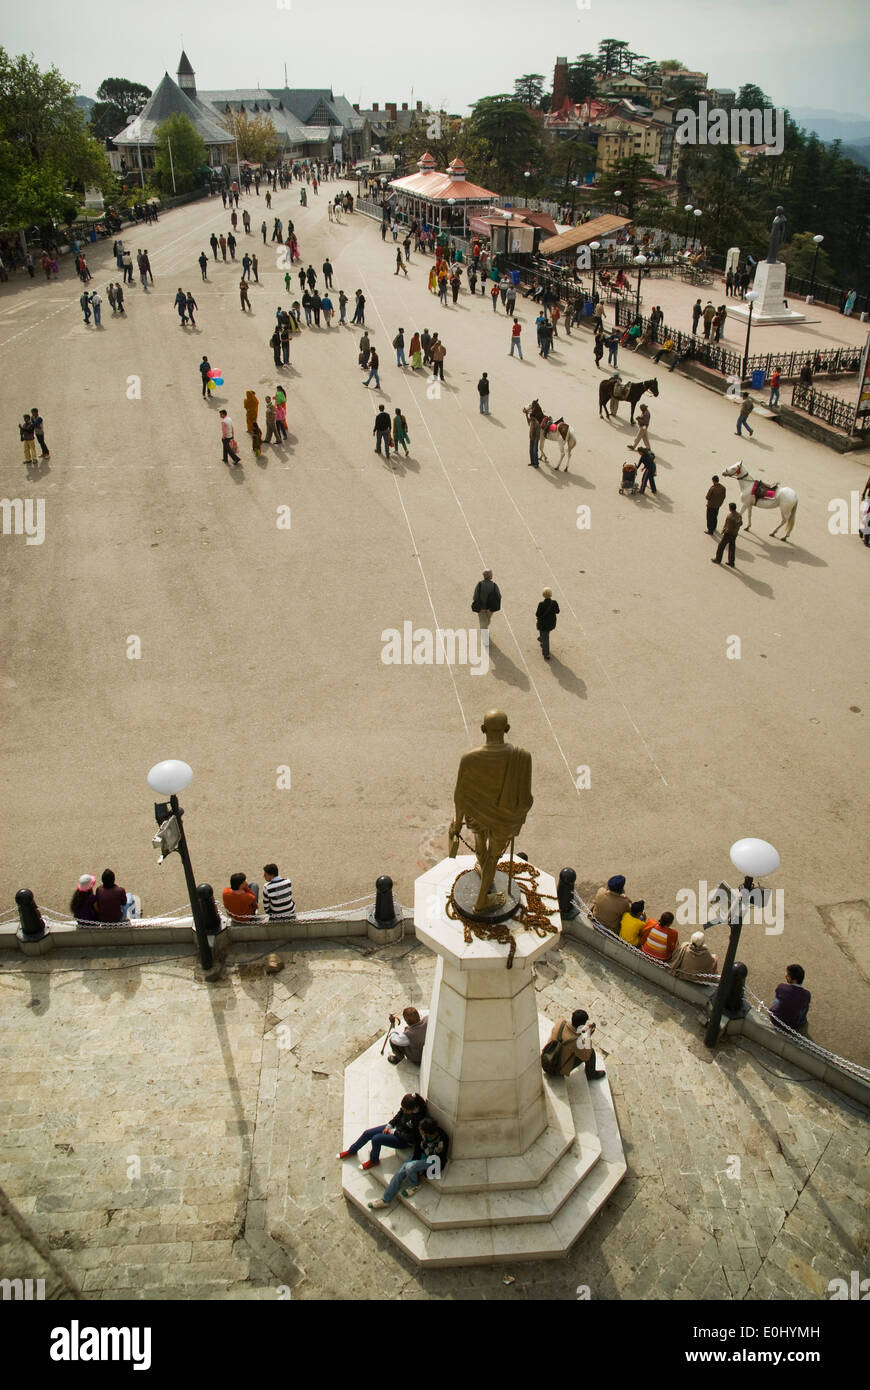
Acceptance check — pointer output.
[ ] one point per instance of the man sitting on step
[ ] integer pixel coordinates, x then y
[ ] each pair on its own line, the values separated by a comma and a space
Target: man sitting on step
576, 1044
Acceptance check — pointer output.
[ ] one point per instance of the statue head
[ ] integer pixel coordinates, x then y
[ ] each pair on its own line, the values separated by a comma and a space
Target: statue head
495, 721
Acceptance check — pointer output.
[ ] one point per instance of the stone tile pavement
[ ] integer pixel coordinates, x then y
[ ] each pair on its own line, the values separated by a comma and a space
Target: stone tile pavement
163, 1139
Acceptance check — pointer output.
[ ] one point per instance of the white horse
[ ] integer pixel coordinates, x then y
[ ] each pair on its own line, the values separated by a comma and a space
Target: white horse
783, 497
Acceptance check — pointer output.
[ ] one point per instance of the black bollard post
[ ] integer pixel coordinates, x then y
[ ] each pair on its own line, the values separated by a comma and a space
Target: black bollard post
733, 1002
385, 908
210, 914
32, 925
217, 935
565, 894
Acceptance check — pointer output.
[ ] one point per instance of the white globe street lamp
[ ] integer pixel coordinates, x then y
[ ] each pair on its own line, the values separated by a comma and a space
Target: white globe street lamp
750, 296
754, 859
168, 778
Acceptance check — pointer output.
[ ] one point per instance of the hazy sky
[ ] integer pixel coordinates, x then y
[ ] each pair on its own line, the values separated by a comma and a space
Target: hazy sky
801, 52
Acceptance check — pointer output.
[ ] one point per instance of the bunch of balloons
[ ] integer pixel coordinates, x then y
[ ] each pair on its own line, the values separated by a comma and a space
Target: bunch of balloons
215, 378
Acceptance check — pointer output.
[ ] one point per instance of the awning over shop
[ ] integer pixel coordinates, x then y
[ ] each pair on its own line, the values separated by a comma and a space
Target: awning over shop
595, 230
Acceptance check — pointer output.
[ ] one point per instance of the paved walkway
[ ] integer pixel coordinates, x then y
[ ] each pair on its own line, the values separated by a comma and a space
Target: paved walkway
257, 649
172, 1140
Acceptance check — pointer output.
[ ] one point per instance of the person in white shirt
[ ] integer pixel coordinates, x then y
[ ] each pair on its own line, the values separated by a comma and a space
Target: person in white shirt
409, 1042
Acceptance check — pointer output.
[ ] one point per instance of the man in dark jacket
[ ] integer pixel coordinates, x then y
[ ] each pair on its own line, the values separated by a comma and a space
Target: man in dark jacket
731, 526
545, 618
715, 498
399, 1133
486, 599
381, 431
483, 393
430, 1158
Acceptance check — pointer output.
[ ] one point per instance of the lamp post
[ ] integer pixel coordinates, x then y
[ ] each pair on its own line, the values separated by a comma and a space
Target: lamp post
617, 194
169, 778
171, 165
688, 209
593, 247
818, 241
753, 858
750, 296
575, 184
696, 212
640, 261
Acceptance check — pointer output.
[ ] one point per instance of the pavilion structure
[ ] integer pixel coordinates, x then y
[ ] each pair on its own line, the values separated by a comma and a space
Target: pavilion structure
443, 200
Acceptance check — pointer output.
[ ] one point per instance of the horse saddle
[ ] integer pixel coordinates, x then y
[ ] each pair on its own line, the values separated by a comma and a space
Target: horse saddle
762, 491
549, 425
621, 390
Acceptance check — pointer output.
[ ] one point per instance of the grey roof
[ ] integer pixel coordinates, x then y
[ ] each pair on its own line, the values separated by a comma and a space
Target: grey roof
167, 100
312, 104
262, 103
184, 68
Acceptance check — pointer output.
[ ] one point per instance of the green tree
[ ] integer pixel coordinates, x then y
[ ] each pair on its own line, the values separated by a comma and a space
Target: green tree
751, 98
610, 55
118, 101
509, 137
180, 151
799, 254
626, 176
256, 135
529, 89
47, 157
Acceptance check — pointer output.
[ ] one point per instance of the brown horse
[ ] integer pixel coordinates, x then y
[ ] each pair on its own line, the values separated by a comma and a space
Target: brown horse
634, 392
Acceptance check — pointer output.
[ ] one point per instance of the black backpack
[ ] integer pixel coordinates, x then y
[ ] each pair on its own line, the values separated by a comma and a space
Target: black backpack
551, 1053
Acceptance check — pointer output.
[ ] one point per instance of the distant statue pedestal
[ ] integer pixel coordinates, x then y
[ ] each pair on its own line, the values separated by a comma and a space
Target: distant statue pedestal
769, 307
532, 1157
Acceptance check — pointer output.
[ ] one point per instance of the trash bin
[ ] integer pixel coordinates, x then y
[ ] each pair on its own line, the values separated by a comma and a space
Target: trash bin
515, 277
758, 379
588, 308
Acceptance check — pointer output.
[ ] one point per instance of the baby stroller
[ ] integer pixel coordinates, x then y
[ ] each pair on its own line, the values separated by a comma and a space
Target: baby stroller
629, 479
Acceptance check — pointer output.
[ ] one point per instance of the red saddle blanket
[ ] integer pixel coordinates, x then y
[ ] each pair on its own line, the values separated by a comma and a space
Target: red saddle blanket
761, 491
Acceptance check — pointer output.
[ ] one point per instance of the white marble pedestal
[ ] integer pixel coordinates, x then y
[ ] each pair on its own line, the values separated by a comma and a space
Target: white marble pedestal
769, 283
532, 1158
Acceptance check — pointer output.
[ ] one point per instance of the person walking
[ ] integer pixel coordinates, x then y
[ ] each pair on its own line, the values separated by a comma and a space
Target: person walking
774, 389
246, 268
181, 305
96, 303
647, 460
612, 345
39, 431
598, 347
285, 344
516, 344
426, 345
264, 229
416, 351
85, 302
359, 313
213, 242
231, 243
545, 621
486, 599
483, 394
365, 351
252, 409
311, 276
192, 306
222, 242
493, 294
510, 299
714, 499
643, 420
148, 271
382, 429
204, 369
327, 273
400, 264
328, 311
697, 311
316, 306
203, 264
342, 307
270, 420
746, 410
437, 353
228, 442
275, 345
255, 266
400, 432
280, 413
534, 441
374, 363
731, 526
243, 294
399, 345
546, 335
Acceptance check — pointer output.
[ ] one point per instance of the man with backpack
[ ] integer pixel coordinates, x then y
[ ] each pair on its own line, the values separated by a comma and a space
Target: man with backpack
568, 1045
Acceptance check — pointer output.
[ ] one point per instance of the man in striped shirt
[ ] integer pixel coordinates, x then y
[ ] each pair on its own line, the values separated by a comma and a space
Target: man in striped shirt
277, 895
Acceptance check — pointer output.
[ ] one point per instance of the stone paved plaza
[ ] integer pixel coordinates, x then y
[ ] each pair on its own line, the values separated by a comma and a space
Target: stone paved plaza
168, 1139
